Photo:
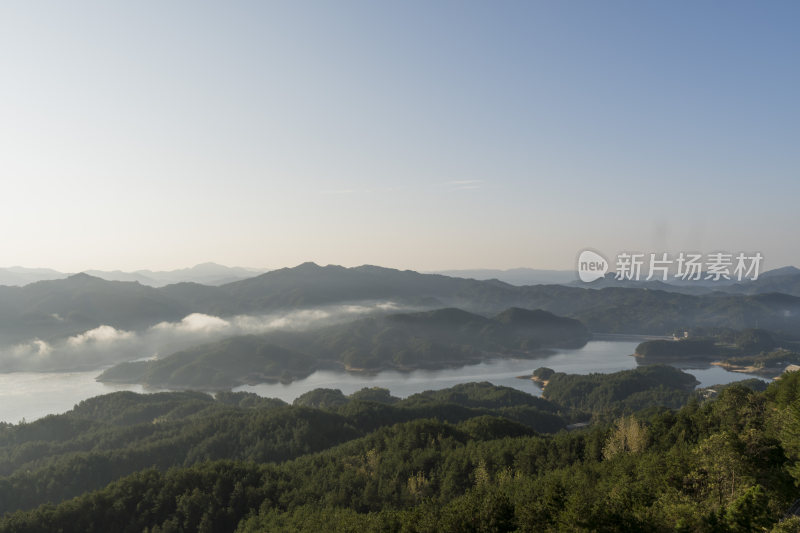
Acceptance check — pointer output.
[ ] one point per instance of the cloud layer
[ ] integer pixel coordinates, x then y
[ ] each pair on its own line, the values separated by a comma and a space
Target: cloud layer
105, 345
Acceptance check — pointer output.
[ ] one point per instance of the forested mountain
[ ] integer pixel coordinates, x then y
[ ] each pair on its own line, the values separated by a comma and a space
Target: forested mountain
471, 458
625, 391
55, 309
755, 351
110, 436
403, 341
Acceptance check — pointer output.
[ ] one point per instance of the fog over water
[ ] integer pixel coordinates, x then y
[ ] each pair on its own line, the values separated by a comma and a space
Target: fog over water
31, 395
106, 345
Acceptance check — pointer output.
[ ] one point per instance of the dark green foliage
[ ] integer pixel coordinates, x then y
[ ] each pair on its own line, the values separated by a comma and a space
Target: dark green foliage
538, 327
443, 337
248, 399
431, 339
684, 348
374, 394
722, 465
764, 362
482, 394
61, 456
755, 340
322, 399
786, 390
620, 392
230, 362
753, 384
110, 436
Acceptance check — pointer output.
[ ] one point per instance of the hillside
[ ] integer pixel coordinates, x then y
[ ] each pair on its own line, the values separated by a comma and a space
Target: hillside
471, 458
404, 341
625, 391
56, 309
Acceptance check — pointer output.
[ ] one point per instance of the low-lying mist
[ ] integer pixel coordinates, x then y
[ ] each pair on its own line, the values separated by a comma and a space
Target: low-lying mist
105, 345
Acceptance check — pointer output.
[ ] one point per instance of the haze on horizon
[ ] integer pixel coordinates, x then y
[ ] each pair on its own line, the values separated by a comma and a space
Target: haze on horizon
429, 136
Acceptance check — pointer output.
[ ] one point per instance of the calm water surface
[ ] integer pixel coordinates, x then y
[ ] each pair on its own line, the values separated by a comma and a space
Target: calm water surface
32, 395
597, 356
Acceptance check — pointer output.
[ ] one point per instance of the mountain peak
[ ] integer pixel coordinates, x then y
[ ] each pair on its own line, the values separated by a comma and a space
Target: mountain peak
439, 317
83, 277
374, 269
308, 265
783, 271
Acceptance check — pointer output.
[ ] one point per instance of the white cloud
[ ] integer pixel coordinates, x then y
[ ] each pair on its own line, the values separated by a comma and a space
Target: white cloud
101, 334
34, 348
195, 322
106, 345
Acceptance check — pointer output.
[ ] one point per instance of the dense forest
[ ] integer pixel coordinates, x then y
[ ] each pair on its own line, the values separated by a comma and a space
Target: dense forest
430, 339
474, 457
755, 351
698, 343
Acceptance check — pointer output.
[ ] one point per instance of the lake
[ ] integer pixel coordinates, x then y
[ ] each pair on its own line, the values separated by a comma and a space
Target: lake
31, 395
597, 356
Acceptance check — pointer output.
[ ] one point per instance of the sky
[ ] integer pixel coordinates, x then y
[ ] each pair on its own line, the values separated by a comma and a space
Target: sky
420, 134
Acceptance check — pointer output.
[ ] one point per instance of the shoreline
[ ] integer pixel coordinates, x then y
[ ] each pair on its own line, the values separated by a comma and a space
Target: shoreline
541, 383
750, 369
338, 366
629, 337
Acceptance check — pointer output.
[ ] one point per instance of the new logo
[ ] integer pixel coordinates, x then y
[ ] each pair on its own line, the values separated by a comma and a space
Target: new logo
591, 266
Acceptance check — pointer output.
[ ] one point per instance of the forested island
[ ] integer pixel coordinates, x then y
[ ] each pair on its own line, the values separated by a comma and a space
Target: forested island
625, 391
754, 351
403, 341
768, 364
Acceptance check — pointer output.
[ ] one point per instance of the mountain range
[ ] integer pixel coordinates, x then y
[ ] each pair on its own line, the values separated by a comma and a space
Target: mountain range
205, 273
515, 276
54, 309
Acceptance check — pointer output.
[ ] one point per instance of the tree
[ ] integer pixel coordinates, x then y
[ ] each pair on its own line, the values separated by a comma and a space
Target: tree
629, 436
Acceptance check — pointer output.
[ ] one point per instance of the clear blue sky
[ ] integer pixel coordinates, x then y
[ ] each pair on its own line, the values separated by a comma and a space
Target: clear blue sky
424, 135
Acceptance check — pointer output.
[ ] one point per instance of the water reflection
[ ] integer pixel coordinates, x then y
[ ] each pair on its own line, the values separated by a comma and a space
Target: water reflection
32, 395
601, 356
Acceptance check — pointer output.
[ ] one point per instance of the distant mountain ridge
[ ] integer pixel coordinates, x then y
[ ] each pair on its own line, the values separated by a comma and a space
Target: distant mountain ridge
58, 308
204, 273
18, 276
515, 276
784, 279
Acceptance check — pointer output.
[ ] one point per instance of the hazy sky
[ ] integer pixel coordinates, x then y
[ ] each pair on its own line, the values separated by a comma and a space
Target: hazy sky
424, 135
